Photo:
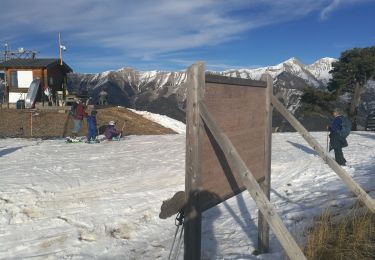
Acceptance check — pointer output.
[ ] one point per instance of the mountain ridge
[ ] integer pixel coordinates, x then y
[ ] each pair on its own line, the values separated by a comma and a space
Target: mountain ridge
164, 92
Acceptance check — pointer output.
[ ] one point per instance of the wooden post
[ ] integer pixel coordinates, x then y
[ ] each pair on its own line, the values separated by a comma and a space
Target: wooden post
352, 185
286, 240
193, 218
43, 83
7, 84
263, 227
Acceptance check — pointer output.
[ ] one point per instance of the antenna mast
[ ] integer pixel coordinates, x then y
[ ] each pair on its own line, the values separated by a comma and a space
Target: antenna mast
21, 53
60, 47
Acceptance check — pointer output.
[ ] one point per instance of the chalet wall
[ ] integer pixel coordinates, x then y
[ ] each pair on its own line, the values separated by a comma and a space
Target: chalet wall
16, 93
56, 78
53, 77
19, 75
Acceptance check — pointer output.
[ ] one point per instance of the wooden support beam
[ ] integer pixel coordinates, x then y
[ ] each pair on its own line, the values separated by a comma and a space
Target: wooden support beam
286, 240
194, 134
263, 227
352, 185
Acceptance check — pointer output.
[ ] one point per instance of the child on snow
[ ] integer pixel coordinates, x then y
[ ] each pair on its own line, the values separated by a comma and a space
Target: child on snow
91, 126
78, 113
111, 133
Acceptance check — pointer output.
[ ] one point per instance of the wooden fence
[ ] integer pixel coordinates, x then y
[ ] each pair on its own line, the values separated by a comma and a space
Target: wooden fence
33, 123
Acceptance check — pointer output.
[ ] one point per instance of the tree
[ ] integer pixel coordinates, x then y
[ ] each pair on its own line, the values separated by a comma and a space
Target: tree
316, 100
351, 73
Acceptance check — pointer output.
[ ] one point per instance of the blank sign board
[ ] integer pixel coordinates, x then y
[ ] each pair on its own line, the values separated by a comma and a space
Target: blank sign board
239, 108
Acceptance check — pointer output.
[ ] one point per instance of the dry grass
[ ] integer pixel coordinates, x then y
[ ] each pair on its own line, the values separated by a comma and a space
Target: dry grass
351, 236
58, 123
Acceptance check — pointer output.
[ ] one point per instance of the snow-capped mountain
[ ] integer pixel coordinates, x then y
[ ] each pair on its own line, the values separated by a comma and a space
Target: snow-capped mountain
290, 78
154, 91
164, 92
316, 74
321, 68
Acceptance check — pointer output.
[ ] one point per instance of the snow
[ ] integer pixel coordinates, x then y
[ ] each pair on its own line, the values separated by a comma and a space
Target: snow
163, 120
371, 84
321, 68
102, 201
147, 75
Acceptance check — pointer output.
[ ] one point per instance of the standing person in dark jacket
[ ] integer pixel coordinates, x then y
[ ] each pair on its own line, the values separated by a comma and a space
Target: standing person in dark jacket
91, 126
78, 115
111, 133
337, 142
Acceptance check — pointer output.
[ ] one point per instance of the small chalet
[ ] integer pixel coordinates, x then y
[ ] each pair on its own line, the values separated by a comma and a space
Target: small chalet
19, 73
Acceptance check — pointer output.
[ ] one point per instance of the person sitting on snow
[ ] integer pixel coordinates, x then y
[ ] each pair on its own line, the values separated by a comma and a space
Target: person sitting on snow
111, 133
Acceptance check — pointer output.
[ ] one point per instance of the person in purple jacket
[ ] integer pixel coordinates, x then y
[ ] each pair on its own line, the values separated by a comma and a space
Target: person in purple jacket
111, 133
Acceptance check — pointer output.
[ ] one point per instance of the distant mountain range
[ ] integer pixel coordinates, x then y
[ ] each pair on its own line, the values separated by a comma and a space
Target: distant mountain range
316, 74
290, 78
164, 92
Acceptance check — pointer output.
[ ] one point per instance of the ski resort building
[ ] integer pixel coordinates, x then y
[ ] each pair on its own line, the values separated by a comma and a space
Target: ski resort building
26, 75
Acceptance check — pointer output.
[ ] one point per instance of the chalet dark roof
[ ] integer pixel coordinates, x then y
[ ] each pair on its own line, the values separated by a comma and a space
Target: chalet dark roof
32, 63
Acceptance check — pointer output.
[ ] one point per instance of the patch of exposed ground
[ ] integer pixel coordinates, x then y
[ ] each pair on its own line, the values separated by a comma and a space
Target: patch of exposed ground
58, 123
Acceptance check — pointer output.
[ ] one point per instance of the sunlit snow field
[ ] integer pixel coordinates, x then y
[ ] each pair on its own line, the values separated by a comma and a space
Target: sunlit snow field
102, 201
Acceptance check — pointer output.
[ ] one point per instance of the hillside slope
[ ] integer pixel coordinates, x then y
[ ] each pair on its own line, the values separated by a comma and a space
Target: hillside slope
164, 92
54, 123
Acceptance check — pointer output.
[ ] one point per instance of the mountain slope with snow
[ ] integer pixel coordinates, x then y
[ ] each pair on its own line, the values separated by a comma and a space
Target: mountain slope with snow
321, 68
164, 92
315, 74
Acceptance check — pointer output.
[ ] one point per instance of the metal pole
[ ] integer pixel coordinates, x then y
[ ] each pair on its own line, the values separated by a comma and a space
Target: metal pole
61, 62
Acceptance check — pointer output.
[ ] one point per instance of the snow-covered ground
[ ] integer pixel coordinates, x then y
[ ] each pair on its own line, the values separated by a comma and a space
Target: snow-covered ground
164, 120
102, 201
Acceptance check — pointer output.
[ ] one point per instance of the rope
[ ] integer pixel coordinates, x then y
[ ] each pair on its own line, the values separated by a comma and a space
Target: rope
174, 239
179, 219
179, 243
176, 250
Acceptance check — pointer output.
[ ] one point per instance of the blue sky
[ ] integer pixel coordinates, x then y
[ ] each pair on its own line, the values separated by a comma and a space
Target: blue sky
172, 34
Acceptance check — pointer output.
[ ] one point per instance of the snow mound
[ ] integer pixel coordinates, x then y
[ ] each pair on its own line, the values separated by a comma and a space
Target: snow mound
163, 120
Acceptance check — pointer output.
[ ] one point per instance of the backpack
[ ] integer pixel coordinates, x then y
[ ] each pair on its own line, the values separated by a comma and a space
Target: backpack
73, 109
346, 127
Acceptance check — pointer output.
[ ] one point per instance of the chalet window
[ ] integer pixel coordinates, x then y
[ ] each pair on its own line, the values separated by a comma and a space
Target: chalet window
21, 78
14, 79
24, 77
2, 75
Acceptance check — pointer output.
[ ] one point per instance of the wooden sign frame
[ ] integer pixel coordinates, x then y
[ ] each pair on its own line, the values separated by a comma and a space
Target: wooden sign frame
239, 107
201, 121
